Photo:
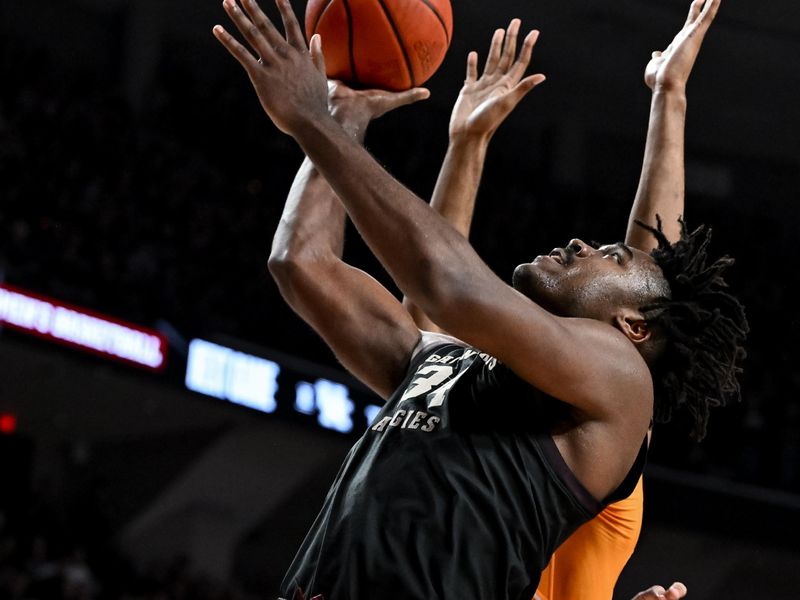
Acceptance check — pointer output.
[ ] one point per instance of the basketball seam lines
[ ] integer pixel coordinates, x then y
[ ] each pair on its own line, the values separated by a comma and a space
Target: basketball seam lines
399, 41
350, 36
319, 17
438, 16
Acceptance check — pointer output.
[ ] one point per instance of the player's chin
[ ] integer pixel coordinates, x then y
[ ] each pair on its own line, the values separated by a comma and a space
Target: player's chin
528, 274
527, 277
540, 281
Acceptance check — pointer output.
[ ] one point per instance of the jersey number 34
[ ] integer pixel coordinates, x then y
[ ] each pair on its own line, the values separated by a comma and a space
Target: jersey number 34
432, 380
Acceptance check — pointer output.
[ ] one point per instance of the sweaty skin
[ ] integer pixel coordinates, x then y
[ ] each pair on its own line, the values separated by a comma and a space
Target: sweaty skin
611, 395
587, 566
665, 143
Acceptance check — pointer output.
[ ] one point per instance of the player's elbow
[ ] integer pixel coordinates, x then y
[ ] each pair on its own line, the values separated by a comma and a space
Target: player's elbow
287, 269
279, 263
295, 272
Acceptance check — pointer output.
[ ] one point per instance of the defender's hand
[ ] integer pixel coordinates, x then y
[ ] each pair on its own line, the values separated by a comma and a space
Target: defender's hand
485, 101
354, 109
669, 70
676, 591
289, 80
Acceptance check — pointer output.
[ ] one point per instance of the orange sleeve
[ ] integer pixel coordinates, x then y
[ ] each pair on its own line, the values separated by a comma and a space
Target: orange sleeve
587, 565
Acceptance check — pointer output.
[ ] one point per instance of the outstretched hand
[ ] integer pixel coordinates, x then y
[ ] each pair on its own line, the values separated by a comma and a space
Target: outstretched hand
354, 109
669, 70
485, 101
288, 78
676, 591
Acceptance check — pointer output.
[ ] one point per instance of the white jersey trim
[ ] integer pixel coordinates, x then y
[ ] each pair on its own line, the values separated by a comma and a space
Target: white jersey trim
429, 339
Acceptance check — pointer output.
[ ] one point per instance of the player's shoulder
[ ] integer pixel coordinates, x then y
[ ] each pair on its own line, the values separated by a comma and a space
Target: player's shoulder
621, 374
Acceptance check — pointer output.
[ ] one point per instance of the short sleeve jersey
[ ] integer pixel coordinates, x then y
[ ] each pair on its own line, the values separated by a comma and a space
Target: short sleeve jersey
456, 490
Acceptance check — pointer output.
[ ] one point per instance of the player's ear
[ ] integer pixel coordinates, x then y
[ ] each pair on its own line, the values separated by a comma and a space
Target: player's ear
633, 325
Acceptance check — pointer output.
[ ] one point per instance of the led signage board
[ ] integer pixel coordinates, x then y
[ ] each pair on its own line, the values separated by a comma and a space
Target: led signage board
81, 328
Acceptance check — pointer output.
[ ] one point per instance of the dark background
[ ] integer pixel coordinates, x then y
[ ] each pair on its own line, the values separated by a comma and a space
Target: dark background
139, 177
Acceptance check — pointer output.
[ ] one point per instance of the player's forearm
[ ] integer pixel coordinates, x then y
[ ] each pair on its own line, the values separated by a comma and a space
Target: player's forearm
312, 223
313, 220
454, 198
457, 186
661, 185
429, 260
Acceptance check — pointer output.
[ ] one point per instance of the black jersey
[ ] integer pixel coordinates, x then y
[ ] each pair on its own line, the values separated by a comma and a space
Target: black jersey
457, 490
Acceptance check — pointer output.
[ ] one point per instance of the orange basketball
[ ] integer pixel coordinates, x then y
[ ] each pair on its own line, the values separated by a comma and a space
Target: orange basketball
387, 44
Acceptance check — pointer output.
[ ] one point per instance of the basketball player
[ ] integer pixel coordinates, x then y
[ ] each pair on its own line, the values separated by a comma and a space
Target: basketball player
587, 565
490, 451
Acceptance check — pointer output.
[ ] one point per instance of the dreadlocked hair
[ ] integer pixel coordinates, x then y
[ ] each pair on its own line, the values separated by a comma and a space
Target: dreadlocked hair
703, 325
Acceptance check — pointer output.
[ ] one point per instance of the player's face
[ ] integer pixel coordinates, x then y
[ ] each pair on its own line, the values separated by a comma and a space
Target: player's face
582, 281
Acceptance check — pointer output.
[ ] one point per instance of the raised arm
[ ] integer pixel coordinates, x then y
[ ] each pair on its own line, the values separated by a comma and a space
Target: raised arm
661, 186
364, 325
482, 105
429, 260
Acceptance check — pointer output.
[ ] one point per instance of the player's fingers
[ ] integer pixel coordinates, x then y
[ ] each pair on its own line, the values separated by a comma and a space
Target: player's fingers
472, 66
654, 593
676, 591
294, 35
248, 29
411, 96
656, 54
262, 23
238, 51
703, 21
709, 12
509, 46
494, 52
694, 11
519, 91
519, 67
315, 49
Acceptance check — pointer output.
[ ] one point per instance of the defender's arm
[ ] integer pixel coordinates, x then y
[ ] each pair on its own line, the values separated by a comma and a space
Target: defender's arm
483, 104
661, 186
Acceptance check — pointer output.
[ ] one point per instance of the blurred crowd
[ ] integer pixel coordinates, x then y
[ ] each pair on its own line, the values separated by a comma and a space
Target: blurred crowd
167, 214
49, 552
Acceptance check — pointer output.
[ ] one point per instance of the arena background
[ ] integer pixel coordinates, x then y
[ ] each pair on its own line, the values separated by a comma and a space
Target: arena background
139, 179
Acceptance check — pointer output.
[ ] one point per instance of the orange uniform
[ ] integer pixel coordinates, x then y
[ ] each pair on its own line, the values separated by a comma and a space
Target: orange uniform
587, 565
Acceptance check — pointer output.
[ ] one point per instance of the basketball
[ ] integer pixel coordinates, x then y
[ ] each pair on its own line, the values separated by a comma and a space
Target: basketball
386, 44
